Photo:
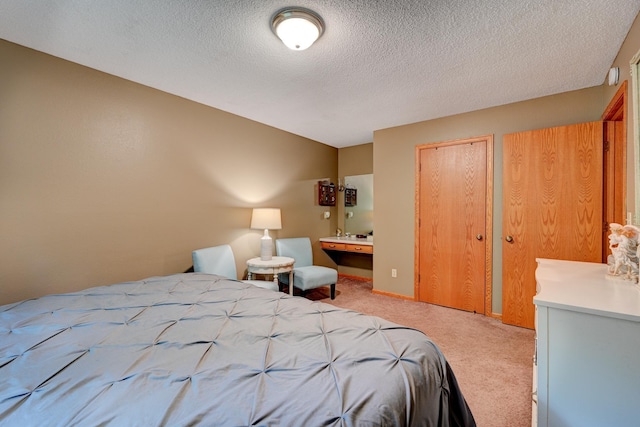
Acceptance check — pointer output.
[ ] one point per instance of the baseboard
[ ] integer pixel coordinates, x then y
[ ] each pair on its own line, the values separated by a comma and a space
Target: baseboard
497, 316
350, 276
392, 295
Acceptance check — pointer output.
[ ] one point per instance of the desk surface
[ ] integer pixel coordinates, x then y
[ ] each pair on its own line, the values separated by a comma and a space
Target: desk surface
351, 239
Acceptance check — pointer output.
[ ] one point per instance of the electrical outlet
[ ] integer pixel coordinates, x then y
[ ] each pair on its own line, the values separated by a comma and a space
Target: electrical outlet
327, 214
394, 272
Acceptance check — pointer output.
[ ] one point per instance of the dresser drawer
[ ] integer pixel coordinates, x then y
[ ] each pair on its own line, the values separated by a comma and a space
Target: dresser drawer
365, 249
330, 246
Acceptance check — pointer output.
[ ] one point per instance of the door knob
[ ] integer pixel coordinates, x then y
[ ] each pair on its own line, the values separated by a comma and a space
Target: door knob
509, 239
479, 236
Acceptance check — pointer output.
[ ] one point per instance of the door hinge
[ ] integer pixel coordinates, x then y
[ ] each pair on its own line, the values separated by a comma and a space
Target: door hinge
606, 146
605, 226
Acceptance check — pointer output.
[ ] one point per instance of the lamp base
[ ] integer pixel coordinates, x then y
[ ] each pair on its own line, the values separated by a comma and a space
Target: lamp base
266, 247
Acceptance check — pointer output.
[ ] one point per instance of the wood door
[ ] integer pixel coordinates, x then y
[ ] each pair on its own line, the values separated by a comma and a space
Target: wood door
452, 198
552, 207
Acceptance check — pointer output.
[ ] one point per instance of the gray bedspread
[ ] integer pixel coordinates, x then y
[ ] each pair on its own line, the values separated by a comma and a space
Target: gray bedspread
194, 349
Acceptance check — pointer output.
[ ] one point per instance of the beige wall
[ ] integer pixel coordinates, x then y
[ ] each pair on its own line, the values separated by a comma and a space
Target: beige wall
104, 180
629, 48
394, 171
355, 160
394, 164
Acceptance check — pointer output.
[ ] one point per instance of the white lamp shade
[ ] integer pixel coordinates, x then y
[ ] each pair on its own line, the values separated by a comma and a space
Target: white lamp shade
297, 33
266, 219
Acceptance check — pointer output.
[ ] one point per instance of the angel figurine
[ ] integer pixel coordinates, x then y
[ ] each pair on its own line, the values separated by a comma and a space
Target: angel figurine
623, 243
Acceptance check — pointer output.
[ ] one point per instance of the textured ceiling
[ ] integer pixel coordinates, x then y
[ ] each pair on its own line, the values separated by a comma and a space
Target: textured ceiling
379, 64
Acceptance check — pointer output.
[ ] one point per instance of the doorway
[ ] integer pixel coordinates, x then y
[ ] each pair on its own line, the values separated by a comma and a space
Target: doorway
454, 202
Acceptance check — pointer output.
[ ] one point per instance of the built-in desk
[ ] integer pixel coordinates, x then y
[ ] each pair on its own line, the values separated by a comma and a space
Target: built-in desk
348, 244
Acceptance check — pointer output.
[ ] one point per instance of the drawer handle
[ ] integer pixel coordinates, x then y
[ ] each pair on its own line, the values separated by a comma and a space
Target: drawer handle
358, 248
332, 246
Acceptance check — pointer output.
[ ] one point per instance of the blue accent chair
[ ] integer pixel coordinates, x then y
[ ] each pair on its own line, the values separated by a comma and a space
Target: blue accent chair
220, 260
305, 275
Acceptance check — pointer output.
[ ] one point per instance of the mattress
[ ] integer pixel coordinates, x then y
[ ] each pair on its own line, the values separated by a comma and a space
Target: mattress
199, 349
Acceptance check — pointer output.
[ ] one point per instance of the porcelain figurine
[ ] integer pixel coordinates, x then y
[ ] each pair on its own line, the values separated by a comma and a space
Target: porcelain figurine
623, 243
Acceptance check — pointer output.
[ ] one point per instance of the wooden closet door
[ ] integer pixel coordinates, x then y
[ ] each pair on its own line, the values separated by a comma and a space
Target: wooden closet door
452, 198
552, 207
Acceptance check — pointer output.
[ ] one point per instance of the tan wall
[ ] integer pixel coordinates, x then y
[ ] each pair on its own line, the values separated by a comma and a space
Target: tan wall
104, 180
629, 48
395, 176
355, 160
394, 166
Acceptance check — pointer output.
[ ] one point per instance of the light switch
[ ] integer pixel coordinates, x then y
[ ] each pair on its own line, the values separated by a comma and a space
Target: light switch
327, 214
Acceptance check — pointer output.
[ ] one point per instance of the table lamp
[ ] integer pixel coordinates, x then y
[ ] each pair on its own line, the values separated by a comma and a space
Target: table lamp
267, 219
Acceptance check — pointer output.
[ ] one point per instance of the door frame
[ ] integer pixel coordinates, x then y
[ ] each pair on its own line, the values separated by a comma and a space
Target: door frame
615, 170
488, 288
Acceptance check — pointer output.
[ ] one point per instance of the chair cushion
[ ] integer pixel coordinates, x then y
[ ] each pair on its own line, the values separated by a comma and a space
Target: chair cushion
263, 284
312, 277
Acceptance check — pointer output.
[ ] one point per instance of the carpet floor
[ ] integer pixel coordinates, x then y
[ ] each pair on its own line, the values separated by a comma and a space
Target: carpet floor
492, 361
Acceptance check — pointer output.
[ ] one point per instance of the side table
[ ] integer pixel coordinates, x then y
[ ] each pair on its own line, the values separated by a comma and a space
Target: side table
276, 265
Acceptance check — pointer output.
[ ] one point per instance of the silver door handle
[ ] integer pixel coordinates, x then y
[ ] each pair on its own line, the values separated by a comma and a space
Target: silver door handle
509, 239
479, 236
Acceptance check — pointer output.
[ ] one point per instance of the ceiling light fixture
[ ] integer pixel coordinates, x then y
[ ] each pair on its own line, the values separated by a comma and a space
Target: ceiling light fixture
297, 27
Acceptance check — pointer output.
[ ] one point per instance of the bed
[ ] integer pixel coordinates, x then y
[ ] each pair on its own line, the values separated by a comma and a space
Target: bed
199, 349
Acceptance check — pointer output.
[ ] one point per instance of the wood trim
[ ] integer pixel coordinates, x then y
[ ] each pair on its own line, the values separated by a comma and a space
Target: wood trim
634, 65
497, 316
489, 215
416, 224
488, 289
617, 111
391, 294
617, 108
350, 276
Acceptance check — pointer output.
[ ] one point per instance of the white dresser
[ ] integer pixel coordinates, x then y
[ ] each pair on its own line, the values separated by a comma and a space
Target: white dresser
588, 347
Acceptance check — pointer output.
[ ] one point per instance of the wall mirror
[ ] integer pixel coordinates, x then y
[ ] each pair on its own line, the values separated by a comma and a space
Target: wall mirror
359, 217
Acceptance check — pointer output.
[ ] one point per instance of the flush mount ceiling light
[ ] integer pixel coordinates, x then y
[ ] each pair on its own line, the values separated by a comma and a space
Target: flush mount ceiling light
297, 27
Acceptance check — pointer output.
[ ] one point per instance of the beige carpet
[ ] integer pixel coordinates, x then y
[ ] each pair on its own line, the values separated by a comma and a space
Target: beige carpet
492, 361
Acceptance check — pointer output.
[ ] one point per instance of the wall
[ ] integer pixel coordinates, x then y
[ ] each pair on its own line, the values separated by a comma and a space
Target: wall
393, 161
394, 166
355, 160
103, 180
629, 48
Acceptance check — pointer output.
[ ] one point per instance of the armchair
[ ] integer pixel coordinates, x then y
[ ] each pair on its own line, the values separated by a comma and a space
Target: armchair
220, 260
305, 275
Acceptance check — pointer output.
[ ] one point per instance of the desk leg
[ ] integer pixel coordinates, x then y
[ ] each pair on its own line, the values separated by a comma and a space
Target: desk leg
275, 280
248, 275
291, 282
